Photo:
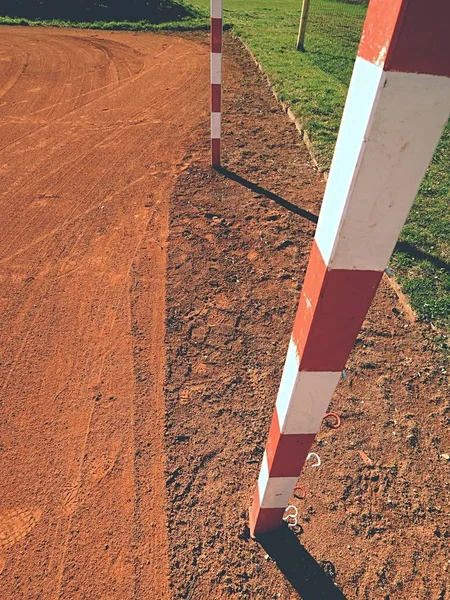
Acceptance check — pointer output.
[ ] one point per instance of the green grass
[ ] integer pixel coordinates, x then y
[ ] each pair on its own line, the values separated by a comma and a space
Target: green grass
423, 268
134, 15
189, 24
315, 84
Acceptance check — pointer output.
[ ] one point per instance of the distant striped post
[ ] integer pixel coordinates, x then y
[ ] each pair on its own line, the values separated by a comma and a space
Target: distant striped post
396, 109
216, 80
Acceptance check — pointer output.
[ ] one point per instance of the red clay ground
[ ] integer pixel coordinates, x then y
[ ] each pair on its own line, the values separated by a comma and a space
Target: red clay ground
94, 127
103, 493
375, 520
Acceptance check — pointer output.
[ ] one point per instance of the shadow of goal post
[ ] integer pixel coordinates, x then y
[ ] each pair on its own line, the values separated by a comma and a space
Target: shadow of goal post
395, 113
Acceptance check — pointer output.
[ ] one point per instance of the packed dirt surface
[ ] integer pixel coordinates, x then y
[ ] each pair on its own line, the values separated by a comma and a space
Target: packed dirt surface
375, 521
93, 129
108, 489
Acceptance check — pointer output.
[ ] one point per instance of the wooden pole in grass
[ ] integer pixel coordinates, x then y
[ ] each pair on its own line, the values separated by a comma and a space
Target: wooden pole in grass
397, 107
302, 26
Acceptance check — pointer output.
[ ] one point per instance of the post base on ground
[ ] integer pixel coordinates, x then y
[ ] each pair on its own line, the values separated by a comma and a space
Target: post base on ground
263, 520
215, 153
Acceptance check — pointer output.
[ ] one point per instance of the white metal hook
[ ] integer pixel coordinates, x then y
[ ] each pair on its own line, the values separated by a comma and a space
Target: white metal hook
317, 457
291, 516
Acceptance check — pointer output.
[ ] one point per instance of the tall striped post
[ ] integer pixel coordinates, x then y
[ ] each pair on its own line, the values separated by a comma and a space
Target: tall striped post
397, 106
216, 80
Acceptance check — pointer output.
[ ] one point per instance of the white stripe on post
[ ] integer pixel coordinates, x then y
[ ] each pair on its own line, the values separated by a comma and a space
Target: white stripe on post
216, 68
391, 164
273, 491
396, 109
303, 398
216, 80
215, 125
216, 10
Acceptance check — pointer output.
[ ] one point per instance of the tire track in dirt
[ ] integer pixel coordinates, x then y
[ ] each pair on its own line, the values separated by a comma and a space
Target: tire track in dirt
46, 123
72, 499
88, 159
84, 207
61, 267
84, 159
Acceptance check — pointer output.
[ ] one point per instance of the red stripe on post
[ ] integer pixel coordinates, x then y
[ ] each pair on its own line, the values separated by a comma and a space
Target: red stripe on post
215, 152
216, 97
390, 36
216, 35
378, 29
332, 308
286, 454
263, 519
427, 52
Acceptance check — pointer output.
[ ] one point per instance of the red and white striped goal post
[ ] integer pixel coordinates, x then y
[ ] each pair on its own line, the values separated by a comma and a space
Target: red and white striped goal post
216, 79
397, 107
